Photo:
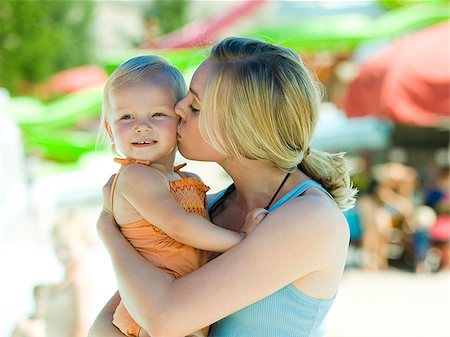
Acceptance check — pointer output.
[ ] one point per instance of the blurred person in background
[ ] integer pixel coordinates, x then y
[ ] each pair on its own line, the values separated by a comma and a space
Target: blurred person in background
34, 325
386, 210
69, 306
424, 219
438, 197
376, 225
64, 309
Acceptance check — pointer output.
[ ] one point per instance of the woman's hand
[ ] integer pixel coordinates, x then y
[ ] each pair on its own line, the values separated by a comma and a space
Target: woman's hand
253, 219
103, 326
106, 223
107, 194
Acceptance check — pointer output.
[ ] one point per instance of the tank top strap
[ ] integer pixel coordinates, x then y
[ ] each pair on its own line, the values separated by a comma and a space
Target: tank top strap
180, 173
294, 193
299, 190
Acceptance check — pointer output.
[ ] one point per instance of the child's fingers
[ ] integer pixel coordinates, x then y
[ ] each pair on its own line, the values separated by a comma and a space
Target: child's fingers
253, 219
262, 213
258, 214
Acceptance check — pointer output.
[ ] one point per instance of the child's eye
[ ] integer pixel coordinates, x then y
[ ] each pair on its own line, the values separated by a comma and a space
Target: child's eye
194, 110
127, 116
158, 114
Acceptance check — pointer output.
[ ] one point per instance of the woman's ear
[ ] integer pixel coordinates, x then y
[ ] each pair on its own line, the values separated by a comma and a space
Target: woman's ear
108, 130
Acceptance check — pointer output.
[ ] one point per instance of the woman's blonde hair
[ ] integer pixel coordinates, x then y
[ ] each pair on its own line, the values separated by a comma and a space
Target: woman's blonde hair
262, 104
135, 70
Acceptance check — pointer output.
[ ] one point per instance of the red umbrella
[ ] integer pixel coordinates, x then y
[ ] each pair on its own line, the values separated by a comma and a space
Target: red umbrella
408, 82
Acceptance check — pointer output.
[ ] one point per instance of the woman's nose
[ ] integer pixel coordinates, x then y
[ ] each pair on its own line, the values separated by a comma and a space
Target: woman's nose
179, 110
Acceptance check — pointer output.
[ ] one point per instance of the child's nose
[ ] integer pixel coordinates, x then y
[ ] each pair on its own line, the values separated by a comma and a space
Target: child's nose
143, 126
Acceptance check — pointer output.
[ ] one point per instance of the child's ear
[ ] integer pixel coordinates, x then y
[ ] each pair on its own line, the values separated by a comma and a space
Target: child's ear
108, 130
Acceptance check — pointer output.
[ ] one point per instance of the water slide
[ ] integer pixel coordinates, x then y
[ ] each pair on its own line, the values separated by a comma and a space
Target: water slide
345, 32
201, 34
60, 130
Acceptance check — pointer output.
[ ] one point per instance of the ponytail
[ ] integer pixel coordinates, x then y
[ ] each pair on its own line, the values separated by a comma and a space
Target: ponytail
332, 171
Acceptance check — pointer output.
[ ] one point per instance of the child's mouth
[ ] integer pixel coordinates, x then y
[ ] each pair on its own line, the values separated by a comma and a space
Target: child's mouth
144, 143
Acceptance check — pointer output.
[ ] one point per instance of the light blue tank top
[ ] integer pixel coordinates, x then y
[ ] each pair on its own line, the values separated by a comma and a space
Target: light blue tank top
285, 313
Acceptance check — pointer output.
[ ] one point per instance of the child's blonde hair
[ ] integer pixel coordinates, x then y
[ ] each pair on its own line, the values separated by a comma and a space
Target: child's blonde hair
262, 104
132, 71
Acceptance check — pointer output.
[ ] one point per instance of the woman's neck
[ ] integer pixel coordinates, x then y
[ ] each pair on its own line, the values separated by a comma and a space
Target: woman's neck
256, 182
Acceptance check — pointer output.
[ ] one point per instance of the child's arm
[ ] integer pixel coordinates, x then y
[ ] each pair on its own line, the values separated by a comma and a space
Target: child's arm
145, 189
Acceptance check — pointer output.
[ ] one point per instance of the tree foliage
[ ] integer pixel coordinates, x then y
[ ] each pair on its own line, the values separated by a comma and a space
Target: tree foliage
39, 38
171, 14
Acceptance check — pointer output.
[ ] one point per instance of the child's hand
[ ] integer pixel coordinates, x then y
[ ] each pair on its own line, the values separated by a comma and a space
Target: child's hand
253, 219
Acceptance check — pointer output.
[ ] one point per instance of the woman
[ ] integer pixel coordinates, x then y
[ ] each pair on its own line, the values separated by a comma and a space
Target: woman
252, 107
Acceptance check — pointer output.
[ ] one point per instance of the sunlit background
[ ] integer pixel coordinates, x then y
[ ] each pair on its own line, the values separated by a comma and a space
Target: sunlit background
385, 67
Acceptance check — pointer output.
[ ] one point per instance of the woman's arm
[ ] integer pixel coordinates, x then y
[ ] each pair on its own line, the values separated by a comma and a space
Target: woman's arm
145, 190
298, 239
103, 326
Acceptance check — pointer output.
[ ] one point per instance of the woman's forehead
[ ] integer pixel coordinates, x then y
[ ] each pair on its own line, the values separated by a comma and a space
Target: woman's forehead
198, 82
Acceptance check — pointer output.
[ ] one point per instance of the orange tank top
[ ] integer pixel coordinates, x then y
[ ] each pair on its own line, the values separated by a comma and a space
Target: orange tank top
156, 246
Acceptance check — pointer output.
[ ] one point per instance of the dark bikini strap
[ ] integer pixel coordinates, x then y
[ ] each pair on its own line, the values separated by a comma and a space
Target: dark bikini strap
220, 201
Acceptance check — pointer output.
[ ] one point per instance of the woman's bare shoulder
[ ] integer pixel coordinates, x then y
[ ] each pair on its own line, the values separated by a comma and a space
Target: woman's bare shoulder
316, 217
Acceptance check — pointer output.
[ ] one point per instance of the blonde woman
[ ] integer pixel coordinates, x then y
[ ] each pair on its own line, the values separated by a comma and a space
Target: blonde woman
252, 108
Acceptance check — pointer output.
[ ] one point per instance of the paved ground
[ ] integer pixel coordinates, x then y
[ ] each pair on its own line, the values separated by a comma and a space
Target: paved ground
369, 304
392, 304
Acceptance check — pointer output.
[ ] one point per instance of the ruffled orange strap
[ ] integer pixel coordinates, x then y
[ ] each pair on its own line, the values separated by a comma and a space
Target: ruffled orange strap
189, 182
177, 170
128, 161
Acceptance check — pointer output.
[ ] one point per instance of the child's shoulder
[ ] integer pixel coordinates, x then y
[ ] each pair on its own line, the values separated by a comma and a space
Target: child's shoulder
140, 173
138, 180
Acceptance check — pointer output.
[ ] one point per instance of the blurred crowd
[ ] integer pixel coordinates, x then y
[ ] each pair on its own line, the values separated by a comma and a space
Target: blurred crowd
400, 220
